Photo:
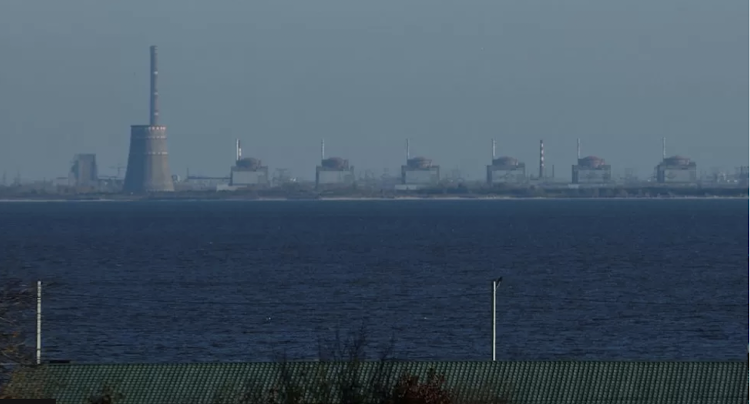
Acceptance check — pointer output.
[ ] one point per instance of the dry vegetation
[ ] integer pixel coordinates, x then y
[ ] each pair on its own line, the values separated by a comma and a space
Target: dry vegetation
16, 310
337, 378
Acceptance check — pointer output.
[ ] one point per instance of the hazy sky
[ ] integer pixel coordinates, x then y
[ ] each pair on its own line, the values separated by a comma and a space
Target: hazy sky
365, 75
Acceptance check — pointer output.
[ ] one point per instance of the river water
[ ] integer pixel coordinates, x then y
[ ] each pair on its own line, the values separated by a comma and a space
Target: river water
249, 281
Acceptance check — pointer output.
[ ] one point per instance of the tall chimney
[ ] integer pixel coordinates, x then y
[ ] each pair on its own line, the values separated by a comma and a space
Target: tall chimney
578, 148
148, 159
407, 151
541, 159
322, 149
663, 148
493, 149
239, 150
154, 108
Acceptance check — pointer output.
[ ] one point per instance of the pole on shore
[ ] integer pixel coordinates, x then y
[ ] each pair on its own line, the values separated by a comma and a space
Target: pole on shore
495, 284
38, 322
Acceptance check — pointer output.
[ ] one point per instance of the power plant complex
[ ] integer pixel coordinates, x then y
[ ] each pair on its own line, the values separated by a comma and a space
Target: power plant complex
148, 168
420, 172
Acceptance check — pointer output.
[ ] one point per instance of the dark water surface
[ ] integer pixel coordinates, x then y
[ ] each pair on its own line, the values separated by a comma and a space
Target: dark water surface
245, 281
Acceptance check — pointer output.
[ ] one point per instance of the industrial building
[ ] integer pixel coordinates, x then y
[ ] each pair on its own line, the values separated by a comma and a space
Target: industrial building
418, 172
591, 169
675, 169
333, 172
83, 171
505, 170
148, 162
248, 172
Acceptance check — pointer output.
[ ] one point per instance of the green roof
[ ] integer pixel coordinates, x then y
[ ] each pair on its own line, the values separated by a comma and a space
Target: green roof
515, 382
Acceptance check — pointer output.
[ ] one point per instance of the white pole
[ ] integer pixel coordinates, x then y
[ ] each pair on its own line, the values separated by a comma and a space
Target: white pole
495, 284
39, 322
494, 318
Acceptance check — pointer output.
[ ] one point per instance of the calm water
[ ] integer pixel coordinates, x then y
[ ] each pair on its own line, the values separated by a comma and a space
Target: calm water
247, 281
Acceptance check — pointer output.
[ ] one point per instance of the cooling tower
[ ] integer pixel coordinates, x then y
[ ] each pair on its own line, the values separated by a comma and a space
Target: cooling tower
148, 160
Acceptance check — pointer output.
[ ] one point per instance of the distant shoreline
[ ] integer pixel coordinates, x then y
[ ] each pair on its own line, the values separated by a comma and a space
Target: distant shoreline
192, 198
443, 192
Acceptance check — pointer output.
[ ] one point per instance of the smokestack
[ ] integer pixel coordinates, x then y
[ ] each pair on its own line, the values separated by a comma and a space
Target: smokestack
541, 159
148, 159
663, 148
238, 150
578, 148
154, 108
322, 149
407, 151
493, 149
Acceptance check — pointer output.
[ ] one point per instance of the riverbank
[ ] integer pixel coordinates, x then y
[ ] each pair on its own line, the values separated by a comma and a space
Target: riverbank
444, 192
249, 198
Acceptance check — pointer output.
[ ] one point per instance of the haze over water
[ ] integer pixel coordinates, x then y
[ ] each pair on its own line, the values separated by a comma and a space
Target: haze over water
245, 281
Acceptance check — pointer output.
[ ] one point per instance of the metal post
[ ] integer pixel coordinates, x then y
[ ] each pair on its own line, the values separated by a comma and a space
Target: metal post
494, 318
495, 284
39, 322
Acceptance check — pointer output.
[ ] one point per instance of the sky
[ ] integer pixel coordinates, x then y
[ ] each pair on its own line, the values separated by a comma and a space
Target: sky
365, 75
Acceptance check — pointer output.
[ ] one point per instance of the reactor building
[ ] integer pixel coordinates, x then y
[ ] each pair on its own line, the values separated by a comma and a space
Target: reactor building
505, 170
591, 169
333, 172
675, 169
248, 172
148, 162
418, 172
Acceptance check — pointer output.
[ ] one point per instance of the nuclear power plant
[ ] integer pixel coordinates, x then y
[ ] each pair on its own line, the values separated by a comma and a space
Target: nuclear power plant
148, 170
505, 170
333, 172
591, 169
148, 160
148, 166
247, 171
675, 169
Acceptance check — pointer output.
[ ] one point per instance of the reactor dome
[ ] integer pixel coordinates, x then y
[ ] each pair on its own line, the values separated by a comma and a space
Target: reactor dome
505, 161
249, 162
419, 162
591, 162
677, 161
335, 163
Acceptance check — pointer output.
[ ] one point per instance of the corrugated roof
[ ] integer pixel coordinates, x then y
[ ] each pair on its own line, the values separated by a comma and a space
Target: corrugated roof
517, 382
